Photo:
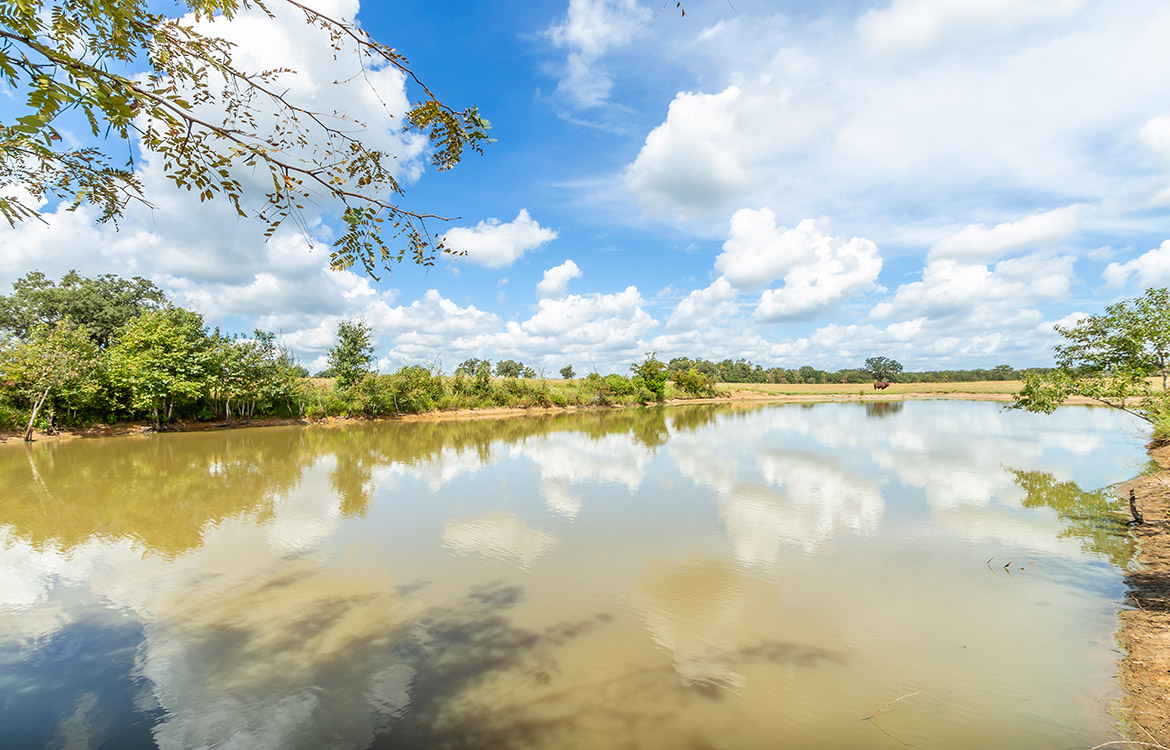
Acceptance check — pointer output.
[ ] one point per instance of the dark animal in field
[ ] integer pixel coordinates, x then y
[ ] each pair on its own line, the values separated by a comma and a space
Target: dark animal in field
880, 386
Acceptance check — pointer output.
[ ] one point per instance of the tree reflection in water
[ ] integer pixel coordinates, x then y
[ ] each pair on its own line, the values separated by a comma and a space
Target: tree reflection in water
1094, 518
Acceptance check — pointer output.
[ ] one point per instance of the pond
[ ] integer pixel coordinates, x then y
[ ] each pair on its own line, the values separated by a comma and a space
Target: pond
701, 576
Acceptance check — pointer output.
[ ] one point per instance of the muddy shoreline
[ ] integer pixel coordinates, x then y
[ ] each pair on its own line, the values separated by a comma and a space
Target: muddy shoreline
1144, 634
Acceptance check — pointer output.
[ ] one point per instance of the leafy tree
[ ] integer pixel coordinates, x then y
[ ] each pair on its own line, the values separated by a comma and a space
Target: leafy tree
164, 359
101, 305
1109, 358
471, 366
882, 368
567, 372
509, 368
206, 118
354, 353
52, 359
653, 373
1132, 335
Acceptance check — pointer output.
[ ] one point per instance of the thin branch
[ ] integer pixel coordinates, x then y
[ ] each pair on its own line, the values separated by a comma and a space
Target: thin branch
883, 708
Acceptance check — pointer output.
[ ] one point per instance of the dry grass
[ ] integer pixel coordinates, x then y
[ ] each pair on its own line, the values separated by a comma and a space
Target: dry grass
853, 389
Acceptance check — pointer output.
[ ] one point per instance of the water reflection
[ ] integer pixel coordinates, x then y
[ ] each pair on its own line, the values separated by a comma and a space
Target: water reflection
653, 577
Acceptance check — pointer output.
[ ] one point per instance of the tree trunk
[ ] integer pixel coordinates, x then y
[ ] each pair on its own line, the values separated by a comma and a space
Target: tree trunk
32, 418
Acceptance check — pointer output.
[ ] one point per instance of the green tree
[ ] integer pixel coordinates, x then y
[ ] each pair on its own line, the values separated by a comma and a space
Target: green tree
53, 359
351, 358
101, 305
207, 118
163, 359
653, 374
567, 372
509, 368
883, 368
471, 366
1109, 358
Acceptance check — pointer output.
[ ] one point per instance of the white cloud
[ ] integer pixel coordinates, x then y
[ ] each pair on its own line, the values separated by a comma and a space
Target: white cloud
978, 242
713, 147
556, 279
1155, 134
589, 29
818, 270
909, 28
495, 245
1152, 268
703, 307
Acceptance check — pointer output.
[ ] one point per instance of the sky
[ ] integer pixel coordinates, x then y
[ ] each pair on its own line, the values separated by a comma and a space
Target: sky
936, 181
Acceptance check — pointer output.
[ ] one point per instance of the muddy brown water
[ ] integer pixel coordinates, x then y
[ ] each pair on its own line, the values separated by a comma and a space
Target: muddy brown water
685, 577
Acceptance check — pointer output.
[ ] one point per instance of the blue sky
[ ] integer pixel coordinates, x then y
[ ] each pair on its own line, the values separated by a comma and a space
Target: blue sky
932, 180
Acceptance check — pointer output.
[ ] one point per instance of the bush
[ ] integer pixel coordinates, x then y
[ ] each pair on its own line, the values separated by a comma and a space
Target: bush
694, 383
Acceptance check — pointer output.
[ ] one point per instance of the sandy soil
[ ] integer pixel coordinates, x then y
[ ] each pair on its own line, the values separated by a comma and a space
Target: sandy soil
1145, 628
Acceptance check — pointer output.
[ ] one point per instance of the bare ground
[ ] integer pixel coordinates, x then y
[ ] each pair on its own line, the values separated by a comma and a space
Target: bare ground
1145, 628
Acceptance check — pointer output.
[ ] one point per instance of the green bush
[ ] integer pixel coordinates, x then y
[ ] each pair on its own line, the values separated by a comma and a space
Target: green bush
694, 383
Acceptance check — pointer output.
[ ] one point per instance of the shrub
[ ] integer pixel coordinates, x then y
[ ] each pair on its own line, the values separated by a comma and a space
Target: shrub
694, 383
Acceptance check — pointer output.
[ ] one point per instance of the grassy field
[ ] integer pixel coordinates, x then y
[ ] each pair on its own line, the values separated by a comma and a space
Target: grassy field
853, 389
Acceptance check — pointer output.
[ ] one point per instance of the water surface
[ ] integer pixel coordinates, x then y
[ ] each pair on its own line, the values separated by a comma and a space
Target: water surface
691, 577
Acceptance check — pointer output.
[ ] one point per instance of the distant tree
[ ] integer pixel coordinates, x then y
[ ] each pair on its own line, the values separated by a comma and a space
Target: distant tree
567, 372
52, 359
1109, 358
351, 358
471, 366
527, 372
101, 305
882, 368
509, 368
164, 359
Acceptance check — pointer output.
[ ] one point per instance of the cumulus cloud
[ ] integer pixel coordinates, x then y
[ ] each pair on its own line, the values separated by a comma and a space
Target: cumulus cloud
556, 279
1151, 268
588, 30
1155, 134
495, 245
979, 242
713, 147
818, 270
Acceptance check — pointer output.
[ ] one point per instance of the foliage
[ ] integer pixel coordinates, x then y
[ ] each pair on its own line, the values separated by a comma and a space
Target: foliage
207, 118
527, 372
653, 374
509, 368
163, 359
351, 358
471, 366
1130, 336
55, 361
882, 368
567, 372
1109, 358
102, 304
255, 374
694, 383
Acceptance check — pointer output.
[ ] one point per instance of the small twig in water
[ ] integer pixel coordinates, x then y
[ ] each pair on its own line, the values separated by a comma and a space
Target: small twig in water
883, 708
1130, 742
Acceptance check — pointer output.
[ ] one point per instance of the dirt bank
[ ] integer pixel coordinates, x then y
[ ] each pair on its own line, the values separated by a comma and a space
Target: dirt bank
1145, 628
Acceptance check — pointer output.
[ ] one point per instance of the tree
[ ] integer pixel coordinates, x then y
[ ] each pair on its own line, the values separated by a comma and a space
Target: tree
471, 366
52, 359
164, 359
1109, 358
653, 373
882, 368
528, 372
1131, 335
567, 372
207, 118
101, 305
350, 360
509, 368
